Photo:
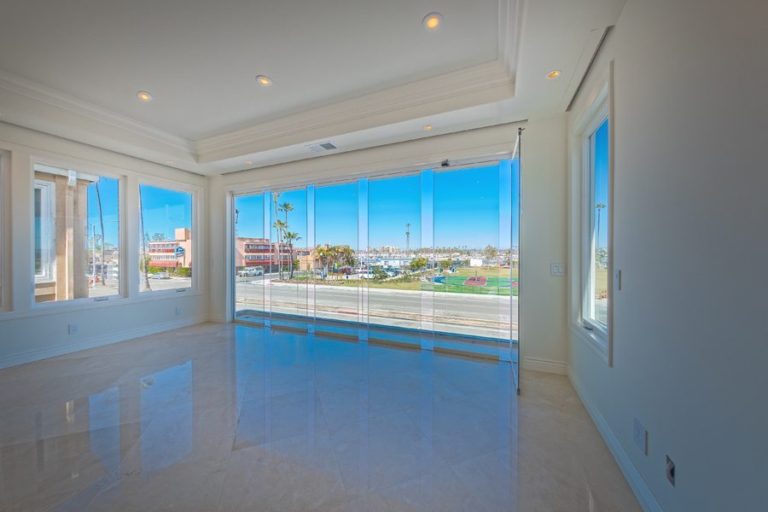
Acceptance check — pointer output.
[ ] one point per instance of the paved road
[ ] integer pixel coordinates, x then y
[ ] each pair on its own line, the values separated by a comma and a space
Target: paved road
483, 315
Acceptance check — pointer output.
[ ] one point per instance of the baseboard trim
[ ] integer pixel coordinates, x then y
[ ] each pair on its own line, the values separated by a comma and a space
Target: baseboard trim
95, 341
538, 364
636, 482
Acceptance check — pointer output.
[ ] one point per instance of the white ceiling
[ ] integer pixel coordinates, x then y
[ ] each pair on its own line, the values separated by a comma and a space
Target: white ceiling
199, 57
359, 72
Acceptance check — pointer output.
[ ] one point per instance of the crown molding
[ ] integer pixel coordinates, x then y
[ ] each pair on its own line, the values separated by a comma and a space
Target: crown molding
476, 85
37, 107
13, 84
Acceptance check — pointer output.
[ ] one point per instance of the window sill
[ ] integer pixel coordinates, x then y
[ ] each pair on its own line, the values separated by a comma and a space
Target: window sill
55, 308
595, 340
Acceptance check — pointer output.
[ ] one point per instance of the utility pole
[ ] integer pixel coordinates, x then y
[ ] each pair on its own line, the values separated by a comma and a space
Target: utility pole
407, 238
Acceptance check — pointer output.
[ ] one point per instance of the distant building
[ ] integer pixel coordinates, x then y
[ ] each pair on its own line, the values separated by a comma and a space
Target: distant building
175, 253
254, 252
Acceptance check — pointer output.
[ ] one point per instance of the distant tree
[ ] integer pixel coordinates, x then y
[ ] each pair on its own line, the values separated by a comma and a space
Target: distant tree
490, 252
379, 274
290, 238
417, 264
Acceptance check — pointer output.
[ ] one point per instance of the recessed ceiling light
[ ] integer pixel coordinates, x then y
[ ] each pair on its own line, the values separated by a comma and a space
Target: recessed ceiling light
169, 162
249, 162
433, 20
263, 80
427, 127
553, 74
144, 96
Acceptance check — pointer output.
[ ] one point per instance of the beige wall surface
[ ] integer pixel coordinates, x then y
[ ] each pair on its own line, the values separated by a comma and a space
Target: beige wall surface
690, 328
30, 331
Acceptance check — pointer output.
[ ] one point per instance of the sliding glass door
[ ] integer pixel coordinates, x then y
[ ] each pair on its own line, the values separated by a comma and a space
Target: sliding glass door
432, 252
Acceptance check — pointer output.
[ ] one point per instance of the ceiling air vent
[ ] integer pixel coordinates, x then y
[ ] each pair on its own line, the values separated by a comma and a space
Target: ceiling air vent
322, 147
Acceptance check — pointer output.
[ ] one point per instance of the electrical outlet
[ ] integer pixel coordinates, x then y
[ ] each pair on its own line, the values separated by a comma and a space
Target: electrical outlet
72, 329
640, 436
177, 311
670, 471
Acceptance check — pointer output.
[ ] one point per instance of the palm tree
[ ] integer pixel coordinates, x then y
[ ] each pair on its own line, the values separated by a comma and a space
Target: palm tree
280, 227
325, 254
290, 238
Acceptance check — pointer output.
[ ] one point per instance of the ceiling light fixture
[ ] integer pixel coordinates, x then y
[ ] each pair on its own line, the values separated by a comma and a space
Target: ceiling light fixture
144, 96
432, 21
263, 80
427, 127
249, 162
553, 74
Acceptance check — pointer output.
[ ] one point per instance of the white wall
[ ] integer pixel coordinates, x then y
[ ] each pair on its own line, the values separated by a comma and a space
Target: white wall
691, 322
29, 332
542, 320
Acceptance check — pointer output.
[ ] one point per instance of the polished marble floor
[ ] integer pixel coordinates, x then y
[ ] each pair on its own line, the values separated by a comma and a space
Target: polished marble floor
234, 418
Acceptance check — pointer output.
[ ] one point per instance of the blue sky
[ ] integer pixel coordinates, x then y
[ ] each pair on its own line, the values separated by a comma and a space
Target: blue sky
165, 210
470, 207
109, 189
601, 184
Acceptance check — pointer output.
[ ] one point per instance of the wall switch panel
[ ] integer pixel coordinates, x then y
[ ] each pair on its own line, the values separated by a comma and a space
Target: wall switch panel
640, 436
557, 269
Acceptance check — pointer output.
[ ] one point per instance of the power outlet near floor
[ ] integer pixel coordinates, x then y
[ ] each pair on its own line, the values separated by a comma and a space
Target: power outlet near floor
670, 471
177, 311
72, 329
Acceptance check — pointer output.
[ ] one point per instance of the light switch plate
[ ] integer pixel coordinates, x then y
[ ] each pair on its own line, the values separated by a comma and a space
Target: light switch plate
557, 269
640, 436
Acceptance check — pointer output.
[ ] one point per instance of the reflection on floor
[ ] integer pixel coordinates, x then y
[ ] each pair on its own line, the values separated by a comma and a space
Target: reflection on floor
236, 418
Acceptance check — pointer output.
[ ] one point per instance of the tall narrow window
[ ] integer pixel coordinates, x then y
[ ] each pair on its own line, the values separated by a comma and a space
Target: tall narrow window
595, 306
76, 235
166, 250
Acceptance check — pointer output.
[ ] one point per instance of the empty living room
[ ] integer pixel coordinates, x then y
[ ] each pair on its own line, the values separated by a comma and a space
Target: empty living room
372, 256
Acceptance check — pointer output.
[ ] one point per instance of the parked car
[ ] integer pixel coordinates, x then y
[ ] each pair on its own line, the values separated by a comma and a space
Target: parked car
251, 272
160, 275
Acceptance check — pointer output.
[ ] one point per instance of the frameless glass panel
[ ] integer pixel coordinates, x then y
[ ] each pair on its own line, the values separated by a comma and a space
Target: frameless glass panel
165, 218
336, 277
253, 255
514, 258
472, 294
292, 258
396, 264
77, 235
597, 302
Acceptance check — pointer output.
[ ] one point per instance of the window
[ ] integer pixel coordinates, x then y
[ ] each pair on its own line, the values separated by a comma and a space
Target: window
44, 255
432, 251
166, 250
76, 235
597, 228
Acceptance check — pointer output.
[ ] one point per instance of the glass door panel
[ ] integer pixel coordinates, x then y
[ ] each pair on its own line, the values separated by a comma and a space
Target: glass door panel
472, 292
291, 257
336, 288
252, 256
396, 262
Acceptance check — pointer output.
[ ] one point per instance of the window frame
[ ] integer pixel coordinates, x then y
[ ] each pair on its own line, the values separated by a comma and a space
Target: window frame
196, 198
5, 231
47, 221
598, 336
588, 223
89, 168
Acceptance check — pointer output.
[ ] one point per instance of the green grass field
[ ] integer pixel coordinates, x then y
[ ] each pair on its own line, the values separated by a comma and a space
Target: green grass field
498, 282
